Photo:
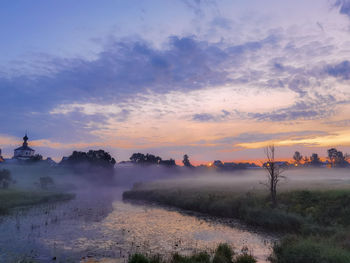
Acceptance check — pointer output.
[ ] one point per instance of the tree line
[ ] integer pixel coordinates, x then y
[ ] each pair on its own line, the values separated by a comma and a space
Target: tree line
335, 158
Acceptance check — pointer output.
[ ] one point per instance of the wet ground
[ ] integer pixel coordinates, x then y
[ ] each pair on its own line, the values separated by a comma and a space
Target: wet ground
103, 228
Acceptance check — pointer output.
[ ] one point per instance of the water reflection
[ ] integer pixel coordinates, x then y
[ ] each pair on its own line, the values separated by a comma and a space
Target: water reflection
156, 230
103, 228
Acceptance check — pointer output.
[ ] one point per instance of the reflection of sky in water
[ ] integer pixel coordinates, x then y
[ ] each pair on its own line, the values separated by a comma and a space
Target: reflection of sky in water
161, 231
89, 227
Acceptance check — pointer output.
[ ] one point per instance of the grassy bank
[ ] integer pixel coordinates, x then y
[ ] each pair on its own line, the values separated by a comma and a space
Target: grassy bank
315, 222
16, 198
223, 254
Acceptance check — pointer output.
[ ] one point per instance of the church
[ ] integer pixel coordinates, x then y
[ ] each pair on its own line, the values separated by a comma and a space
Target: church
24, 152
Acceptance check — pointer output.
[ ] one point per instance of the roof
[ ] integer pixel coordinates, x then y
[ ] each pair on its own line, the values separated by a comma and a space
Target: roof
24, 148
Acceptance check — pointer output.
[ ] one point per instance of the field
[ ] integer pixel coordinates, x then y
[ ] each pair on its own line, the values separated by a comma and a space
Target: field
313, 221
18, 198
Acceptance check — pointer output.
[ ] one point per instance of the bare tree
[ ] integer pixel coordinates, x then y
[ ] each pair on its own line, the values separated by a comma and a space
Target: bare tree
274, 173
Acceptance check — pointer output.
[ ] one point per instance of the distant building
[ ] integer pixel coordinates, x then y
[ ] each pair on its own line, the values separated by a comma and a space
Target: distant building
24, 152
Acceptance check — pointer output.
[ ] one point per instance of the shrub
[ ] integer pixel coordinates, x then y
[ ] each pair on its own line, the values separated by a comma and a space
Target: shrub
323, 207
201, 257
219, 258
273, 219
5, 178
46, 182
223, 254
300, 250
138, 258
245, 258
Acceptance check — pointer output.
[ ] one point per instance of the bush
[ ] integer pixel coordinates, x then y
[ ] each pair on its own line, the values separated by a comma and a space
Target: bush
245, 258
219, 258
223, 254
201, 257
46, 182
273, 219
5, 179
310, 250
138, 258
323, 207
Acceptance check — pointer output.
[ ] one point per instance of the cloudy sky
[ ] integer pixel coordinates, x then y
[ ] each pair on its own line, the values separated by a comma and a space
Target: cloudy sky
213, 79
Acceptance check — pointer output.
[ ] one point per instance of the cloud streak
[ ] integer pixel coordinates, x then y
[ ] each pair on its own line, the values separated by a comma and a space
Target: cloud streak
344, 7
211, 78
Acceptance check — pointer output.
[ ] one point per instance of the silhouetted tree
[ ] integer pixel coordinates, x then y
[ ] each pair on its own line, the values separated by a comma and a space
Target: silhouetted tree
5, 178
337, 158
297, 158
36, 158
140, 158
137, 158
219, 164
274, 173
306, 161
169, 163
98, 158
152, 159
186, 161
315, 160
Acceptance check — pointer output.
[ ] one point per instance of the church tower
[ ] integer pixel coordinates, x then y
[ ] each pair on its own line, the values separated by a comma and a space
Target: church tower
24, 152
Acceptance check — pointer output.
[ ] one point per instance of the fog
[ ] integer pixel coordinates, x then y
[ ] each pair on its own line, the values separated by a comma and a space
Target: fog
251, 180
65, 178
98, 223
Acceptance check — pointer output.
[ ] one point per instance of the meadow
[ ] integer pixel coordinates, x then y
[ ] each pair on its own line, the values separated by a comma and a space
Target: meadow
312, 218
13, 198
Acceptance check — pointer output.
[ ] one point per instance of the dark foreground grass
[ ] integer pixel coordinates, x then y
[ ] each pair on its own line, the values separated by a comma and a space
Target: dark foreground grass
318, 220
297, 249
301, 212
223, 254
252, 209
16, 198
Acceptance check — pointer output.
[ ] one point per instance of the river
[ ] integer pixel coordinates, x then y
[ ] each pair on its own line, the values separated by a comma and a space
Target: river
100, 227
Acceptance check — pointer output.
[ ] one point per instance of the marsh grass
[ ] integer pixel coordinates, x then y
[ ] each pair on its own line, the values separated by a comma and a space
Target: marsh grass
298, 211
318, 220
295, 249
223, 254
16, 198
253, 209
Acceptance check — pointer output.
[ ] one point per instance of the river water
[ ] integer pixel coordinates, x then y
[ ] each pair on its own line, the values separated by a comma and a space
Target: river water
100, 227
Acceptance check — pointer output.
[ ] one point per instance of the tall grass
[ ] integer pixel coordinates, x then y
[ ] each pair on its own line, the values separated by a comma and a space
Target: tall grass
223, 254
252, 209
310, 250
297, 211
15, 198
318, 219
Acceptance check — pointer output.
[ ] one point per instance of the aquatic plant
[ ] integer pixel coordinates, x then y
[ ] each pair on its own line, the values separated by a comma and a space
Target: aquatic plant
223, 254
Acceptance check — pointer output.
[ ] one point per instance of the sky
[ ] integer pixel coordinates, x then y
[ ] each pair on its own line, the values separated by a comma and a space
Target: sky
211, 79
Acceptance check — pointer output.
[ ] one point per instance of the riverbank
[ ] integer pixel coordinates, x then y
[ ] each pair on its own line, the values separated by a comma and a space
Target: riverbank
223, 254
315, 222
10, 199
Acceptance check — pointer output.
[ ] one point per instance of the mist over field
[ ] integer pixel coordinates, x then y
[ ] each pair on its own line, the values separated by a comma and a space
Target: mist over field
175, 131
254, 180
